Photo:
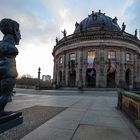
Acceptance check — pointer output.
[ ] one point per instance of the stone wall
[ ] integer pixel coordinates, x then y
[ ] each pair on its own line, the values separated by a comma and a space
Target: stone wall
102, 47
129, 103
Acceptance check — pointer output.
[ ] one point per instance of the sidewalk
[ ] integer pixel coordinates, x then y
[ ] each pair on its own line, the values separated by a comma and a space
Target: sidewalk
87, 118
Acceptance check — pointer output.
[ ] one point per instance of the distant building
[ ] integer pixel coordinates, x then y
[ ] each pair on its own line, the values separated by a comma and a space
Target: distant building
46, 77
98, 54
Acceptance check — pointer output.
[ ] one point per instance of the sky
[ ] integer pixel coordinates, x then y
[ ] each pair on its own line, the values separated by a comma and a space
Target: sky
42, 20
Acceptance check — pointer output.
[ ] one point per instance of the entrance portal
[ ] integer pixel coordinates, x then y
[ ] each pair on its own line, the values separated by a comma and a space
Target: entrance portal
111, 79
91, 77
128, 77
72, 78
60, 78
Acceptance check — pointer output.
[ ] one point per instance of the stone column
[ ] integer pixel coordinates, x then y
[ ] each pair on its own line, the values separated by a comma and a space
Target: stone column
57, 75
122, 69
66, 68
101, 78
132, 70
80, 65
84, 67
97, 67
135, 71
55, 72
117, 76
138, 70
54, 76
76, 68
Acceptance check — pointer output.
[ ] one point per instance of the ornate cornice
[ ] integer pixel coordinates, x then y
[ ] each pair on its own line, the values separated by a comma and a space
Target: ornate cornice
126, 37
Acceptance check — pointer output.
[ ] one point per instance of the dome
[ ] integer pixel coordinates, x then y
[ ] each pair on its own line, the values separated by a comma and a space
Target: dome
97, 21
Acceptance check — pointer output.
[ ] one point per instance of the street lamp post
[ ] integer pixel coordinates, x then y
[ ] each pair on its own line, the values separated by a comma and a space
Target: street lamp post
39, 71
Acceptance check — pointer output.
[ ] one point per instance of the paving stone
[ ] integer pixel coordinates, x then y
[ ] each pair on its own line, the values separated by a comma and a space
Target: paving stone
89, 132
93, 111
33, 117
45, 133
62, 124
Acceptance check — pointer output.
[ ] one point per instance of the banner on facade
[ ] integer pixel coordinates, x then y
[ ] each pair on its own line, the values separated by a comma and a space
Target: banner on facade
91, 59
91, 73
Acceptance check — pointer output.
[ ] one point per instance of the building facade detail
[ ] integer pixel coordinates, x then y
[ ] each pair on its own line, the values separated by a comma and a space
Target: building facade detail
98, 54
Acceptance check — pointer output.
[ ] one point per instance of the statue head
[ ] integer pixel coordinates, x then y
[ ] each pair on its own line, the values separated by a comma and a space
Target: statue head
9, 26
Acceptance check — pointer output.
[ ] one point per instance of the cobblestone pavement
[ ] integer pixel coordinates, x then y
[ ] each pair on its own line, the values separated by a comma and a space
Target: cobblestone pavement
33, 117
91, 115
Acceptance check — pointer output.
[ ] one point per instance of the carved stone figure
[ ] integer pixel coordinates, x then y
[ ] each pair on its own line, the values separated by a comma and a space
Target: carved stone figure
103, 26
136, 32
64, 33
8, 52
76, 24
115, 20
81, 28
123, 27
94, 15
56, 40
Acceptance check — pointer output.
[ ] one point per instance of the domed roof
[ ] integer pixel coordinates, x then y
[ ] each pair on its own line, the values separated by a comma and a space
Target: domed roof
97, 21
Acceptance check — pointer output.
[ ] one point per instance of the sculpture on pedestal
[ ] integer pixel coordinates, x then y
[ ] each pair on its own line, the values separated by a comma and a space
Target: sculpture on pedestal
8, 52
136, 32
56, 40
64, 33
123, 27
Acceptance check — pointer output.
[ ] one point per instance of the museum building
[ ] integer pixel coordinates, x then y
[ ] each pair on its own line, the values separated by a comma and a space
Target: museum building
98, 54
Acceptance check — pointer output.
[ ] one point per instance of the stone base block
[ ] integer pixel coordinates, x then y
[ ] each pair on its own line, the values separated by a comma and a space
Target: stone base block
10, 121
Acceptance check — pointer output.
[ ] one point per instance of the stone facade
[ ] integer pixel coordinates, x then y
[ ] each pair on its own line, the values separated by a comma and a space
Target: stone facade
74, 71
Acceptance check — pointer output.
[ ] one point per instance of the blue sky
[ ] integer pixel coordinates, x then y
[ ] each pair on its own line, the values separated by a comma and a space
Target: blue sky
42, 20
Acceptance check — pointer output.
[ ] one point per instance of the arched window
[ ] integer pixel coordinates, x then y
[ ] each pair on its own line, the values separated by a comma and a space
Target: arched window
127, 56
60, 60
111, 55
91, 77
72, 60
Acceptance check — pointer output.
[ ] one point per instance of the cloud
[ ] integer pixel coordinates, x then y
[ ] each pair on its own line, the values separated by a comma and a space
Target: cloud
37, 33
132, 16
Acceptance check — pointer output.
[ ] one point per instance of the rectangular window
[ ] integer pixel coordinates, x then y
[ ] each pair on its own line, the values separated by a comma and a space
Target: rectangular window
127, 57
111, 55
91, 58
72, 56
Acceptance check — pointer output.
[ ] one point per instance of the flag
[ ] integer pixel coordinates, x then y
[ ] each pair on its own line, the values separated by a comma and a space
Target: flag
91, 59
112, 65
